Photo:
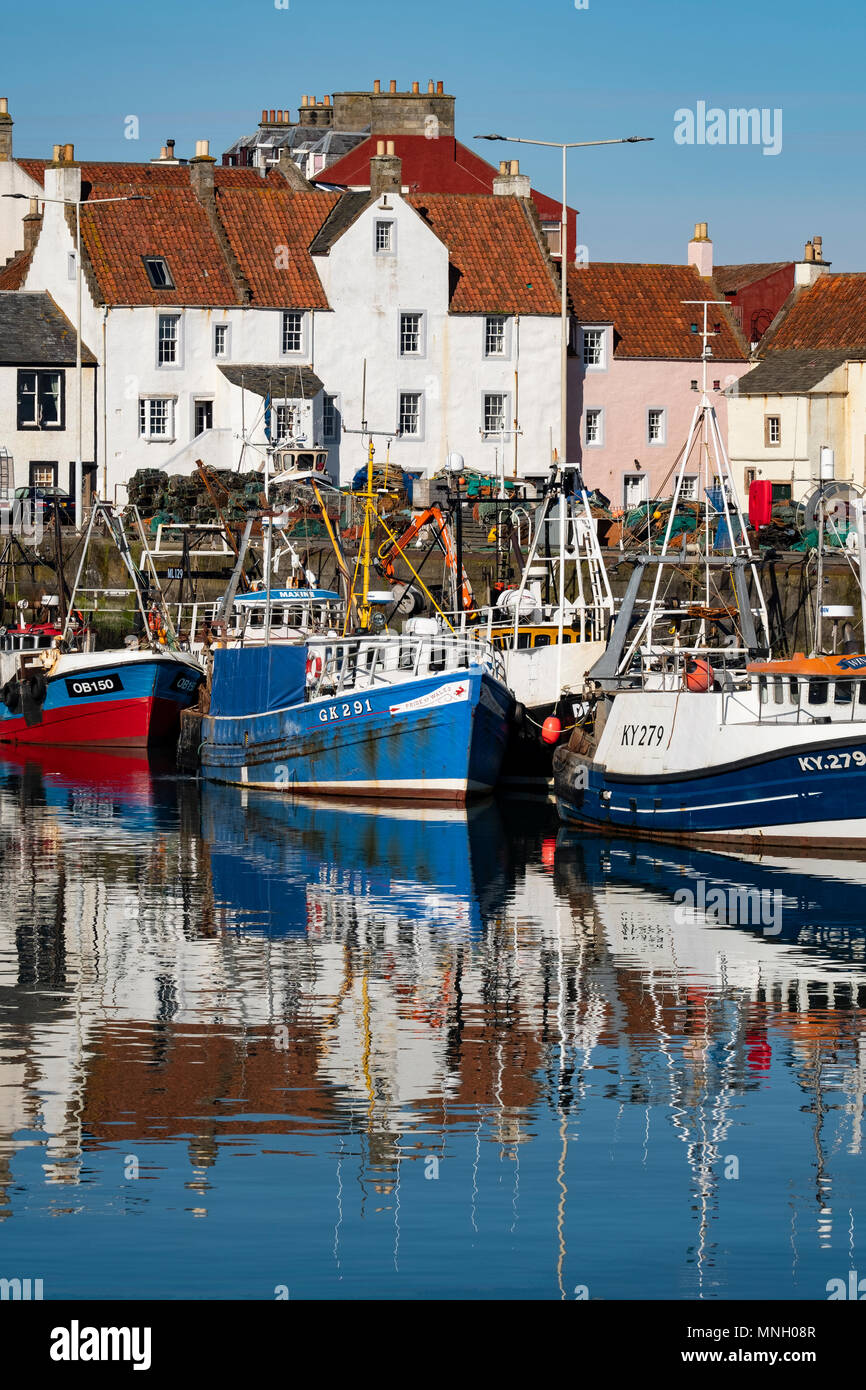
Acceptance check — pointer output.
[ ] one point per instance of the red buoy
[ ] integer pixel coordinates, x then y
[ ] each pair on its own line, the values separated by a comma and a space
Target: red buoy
548, 852
551, 729
699, 675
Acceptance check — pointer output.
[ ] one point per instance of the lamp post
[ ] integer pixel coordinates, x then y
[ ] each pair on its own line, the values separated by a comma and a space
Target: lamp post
563, 254
77, 203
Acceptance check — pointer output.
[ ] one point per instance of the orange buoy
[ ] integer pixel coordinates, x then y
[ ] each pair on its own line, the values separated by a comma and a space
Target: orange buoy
699, 675
551, 729
548, 852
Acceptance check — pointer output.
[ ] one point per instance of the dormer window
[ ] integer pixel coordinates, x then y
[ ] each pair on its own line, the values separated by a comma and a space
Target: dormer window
158, 272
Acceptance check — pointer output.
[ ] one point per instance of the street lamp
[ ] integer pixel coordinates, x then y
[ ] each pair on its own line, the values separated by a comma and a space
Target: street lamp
77, 204
563, 241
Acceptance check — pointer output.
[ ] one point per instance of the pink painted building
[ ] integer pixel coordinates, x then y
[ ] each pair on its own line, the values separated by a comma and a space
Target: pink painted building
635, 370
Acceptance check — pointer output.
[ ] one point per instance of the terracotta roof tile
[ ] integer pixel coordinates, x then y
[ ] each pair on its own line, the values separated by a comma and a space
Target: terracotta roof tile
829, 315
14, 272
173, 224
263, 217
498, 264
645, 305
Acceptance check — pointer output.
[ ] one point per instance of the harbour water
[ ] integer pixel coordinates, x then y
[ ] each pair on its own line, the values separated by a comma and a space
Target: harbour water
256, 1048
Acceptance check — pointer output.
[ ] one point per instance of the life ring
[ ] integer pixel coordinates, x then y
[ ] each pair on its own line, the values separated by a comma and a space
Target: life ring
314, 668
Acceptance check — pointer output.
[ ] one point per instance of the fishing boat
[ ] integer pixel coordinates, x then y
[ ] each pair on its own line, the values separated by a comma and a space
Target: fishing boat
421, 715
693, 733
57, 690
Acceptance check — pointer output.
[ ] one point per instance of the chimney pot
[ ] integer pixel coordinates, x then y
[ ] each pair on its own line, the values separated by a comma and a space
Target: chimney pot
380, 147
170, 147
264, 120
280, 117
377, 86
515, 166
163, 154
68, 154
440, 88
4, 106
272, 115
392, 85
416, 87
56, 158
430, 87
326, 100
809, 254
503, 166
389, 147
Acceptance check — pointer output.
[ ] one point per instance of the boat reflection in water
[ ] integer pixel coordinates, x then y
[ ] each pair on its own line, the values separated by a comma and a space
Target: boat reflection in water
413, 1053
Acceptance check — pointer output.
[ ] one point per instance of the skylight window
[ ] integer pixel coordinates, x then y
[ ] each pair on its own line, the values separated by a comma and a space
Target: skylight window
158, 272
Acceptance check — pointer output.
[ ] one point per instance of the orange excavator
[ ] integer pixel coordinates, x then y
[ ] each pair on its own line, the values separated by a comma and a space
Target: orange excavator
434, 519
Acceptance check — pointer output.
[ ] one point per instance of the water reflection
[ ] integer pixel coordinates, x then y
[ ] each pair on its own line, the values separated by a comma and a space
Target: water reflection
405, 1053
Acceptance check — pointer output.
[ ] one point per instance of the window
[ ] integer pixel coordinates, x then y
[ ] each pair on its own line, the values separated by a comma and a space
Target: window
168, 340
750, 476
330, 417
594, 426
384, 238
655, 425
635, 489
203, 416
221, 339
293, 331
40, 400
593, 347
43, 474
158, 272
772, 431
411, 335
689, 489
283, 422
410, 414
71, 267
495, 412
494, 337
156, 417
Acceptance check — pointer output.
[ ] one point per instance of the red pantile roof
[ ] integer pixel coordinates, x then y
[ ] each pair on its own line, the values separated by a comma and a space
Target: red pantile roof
645, 305
14, 272
499, 266
260, 221
433, 166
829, 315
731, 278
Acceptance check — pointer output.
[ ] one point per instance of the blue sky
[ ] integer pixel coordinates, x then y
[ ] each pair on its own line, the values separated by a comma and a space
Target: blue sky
544, 69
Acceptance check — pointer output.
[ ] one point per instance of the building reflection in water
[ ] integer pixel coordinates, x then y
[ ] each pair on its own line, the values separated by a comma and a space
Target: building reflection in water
181, 963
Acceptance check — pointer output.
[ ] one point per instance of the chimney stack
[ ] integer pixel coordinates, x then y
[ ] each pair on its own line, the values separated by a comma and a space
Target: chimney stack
392, 86
201, 168
386, 170
5, 130
813, 265
31, 225
509, 182
377, 86
416, 87
700, 251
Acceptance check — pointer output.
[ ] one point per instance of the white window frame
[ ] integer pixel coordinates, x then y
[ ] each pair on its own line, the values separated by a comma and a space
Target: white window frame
593, 443
177, 364
663, 437
391, 249
411, 391
643, 479
199, 398
293, 352
504, 433
171, 414
226, 328
586, 328
505, 354
422, 332
689, 489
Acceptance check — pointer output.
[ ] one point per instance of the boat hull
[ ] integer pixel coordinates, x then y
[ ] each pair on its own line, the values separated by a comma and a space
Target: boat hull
814, 794
107, 700
433, 739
